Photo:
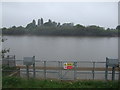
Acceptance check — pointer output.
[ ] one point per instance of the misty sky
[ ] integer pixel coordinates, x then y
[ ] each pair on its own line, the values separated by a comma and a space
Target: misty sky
103, 14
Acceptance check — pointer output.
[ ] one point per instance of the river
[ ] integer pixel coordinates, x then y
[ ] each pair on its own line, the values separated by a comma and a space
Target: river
62, 47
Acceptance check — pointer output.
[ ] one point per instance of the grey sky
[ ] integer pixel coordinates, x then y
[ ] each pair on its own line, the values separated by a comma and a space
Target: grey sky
104, 14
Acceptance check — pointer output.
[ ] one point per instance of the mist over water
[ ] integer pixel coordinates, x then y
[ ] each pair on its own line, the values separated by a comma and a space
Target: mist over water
62, 48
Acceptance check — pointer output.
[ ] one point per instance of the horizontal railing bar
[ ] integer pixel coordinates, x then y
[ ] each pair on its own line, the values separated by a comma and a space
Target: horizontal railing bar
84, 72
51, 72
9, 70
56, 71
61, 68
65, 61
32, 71
94, 73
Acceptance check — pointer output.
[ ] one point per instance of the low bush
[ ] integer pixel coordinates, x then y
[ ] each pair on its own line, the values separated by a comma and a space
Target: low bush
16, 82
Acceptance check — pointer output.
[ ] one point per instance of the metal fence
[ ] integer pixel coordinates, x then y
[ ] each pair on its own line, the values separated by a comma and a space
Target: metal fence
81, 70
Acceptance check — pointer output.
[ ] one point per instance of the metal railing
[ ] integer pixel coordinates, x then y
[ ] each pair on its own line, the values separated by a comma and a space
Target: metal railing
55, 69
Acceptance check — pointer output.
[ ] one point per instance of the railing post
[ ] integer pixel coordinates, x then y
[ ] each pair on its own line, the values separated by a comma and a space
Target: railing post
59, 69
27, 70
106, 73
75, 66
93, 71
19, 72
113, 73
45, 70
8, 60
119, 72
34, 73
14, 61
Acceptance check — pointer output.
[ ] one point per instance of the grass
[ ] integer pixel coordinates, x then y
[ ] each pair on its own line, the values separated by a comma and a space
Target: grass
0, 79
16, 82
8, 70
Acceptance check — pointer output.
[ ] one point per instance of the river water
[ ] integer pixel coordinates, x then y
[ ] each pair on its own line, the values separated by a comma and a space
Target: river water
56, 48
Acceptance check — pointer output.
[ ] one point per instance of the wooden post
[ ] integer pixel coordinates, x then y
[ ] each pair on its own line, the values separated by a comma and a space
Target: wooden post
119, 73
27, 68
45, 70
34, 73
75, 66
59, 69
106, 71
113, 73
8, 60
14, 61
18, 72
93, 71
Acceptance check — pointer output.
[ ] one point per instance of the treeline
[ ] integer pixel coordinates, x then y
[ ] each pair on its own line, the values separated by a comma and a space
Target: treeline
53, 28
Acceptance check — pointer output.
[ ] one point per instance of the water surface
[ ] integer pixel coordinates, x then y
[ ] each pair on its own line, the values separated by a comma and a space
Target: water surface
63, 48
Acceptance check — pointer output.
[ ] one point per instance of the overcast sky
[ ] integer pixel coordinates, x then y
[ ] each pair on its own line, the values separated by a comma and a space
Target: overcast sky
103, 14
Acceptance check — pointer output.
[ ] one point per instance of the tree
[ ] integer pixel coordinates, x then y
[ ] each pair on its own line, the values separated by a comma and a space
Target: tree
42, 21
118, 27
34, 23
108, 29
58, 24
14, 27
39, 22
67, 24
54, 24
79, 26
52, 28
31, 25
50, 23
4, 50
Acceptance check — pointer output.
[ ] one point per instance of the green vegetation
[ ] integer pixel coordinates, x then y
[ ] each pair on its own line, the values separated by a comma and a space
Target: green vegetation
0, 78
15, 82
4, 51
8, 70
58, 29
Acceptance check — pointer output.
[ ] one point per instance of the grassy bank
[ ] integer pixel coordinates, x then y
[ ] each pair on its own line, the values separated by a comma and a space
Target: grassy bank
15, 82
